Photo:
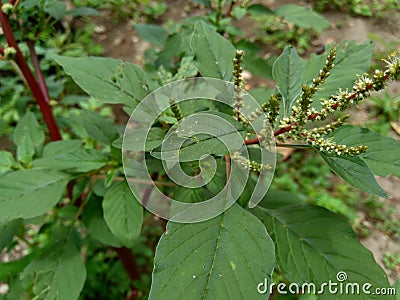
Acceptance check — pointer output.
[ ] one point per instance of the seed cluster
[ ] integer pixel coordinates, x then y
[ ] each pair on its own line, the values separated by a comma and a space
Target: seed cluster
9, 52
7, 8
239, 83
294, 126
249, 164
175, 109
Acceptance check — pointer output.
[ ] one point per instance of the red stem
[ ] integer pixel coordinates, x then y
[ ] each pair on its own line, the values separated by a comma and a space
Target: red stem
30, 79
310, 117
229, 11
227, 166
39, 74
128, 260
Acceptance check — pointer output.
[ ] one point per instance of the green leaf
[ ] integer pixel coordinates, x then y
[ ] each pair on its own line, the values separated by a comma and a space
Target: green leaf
184, 145
123, 213
6, 161
70, 155
258, 10
314, 244
132, 138
97, 227
10, 269
30, 193
7, 232
351, 59
83, 11
107, 79
382, 155
222, 258
259, 66
98, 127
288, 72
396, 285
55, 8
28, 136
303, 17
213, 53
59, 272
153, 34
355, 172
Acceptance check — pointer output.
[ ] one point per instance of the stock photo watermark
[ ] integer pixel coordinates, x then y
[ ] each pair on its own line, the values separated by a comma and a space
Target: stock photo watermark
339, 287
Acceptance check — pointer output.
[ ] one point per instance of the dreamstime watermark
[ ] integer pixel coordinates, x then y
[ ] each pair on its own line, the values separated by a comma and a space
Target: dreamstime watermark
334, 288
206, 132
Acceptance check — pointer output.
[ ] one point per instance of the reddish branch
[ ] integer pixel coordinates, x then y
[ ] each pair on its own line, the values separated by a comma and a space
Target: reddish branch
39, 74
40, 93
128, 260
30, 79
227, 166
230, 8
310, 117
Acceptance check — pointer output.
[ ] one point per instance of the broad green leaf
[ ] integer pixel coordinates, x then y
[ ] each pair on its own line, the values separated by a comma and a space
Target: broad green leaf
288, 72
80, 161
176, 45
351, 59
97, 227
261, 95
153, 34
188, 146
303, 17
396, 285
59, 272
189, 195
222, 258
28, 136
213, 53
56, 9
58, 147
11, 268
7, 232
123, 213
355, 172
258, 10
30, 193
6, 161
107, 79
313, 245
383, 154
99, 127
258, 66
132, 138
83, 11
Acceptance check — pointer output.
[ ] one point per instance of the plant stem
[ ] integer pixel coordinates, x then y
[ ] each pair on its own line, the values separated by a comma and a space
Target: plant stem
39, 74
128, 260
229, 11
30, 79
293, 145
227, 166
218, 14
